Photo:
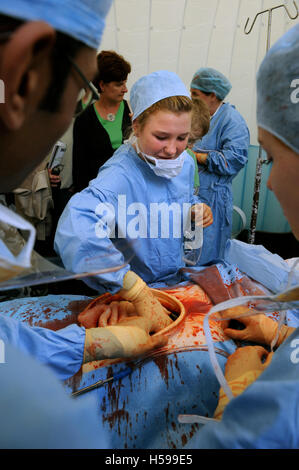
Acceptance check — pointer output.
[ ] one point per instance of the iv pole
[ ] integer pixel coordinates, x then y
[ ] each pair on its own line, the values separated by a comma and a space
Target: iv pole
258, 171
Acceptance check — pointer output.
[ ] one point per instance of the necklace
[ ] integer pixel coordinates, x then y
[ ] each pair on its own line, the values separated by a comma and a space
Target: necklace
110, 117
102, 110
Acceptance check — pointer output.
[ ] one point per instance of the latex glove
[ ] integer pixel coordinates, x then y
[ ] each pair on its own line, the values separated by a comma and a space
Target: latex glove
201, 158
242, 368
258, 327
202, 215
106, 314
126, 340
146, 304
115, 312
246, 359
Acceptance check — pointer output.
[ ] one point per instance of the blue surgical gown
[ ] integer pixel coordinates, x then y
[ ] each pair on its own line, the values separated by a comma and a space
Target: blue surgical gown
61, 350
266, 414
227, 145
121, 204
37, 413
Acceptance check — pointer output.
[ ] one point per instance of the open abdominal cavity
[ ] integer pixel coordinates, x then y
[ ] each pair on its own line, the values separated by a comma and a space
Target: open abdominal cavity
196, 323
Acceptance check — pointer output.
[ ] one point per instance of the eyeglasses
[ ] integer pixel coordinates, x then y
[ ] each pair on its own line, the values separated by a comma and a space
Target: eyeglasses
88, 94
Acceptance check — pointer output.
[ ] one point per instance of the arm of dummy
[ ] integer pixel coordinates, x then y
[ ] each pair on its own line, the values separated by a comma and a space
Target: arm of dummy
138, 300
243, 367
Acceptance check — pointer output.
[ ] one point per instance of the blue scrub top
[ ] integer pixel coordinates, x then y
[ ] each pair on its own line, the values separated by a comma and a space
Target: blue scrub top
130, 192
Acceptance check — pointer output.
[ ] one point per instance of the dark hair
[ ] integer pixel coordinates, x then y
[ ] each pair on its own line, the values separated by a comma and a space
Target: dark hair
8, 24
112, 67
65, 45
207, 93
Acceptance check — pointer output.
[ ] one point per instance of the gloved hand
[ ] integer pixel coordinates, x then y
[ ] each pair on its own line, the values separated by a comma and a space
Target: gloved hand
258, 328
103, 314
201, 158
115, 312
146, 304
242, 368
129, 339
247, 359
202, 215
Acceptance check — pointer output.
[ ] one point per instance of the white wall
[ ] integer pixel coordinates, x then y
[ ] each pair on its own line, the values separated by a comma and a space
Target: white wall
183, 35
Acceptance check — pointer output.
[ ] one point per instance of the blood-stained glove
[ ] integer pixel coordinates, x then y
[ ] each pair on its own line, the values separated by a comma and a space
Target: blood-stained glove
242, 368
146, 304
129, 339
201, 158
258, 328
102, 314
115, 312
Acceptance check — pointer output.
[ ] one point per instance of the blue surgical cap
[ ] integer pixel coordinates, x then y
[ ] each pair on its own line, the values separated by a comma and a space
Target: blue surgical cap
278, 90
83, 20
155, 87
211, 81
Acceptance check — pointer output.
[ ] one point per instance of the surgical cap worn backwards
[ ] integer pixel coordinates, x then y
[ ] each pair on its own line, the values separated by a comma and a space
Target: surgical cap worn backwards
278, 90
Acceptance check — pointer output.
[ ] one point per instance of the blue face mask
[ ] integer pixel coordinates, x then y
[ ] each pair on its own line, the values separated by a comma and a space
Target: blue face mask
166, 168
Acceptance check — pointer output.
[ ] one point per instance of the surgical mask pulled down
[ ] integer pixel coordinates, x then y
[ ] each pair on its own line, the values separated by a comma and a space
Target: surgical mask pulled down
193, 232
166, 168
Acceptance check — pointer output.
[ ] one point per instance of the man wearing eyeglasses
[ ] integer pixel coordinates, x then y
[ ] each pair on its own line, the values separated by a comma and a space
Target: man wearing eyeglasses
47, 56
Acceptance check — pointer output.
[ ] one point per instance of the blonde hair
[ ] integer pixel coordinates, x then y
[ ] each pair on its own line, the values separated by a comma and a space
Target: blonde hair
174, 104
200, 123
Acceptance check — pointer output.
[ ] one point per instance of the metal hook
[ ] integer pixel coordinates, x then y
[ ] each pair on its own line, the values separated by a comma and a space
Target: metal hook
270, 10
260, 13
297, 12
